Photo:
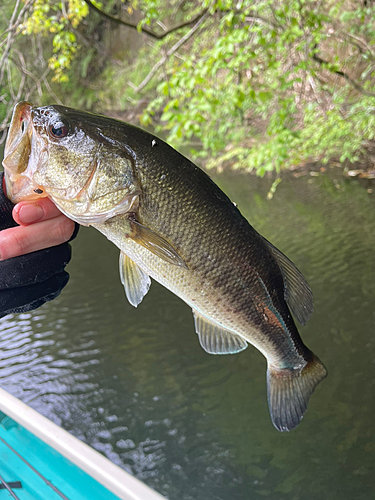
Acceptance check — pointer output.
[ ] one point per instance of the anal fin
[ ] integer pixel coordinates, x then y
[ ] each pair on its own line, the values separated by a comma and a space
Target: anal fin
136, 282
217, 340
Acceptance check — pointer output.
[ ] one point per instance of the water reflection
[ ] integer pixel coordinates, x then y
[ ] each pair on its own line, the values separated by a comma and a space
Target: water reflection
136, 385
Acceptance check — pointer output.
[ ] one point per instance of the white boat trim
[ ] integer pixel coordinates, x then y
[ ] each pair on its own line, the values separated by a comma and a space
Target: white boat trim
115, 479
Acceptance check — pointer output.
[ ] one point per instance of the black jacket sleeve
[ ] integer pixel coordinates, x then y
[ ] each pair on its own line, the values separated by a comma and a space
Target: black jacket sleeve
28, 281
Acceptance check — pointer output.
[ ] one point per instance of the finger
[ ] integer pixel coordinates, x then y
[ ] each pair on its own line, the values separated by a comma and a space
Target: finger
19, 240
29, 212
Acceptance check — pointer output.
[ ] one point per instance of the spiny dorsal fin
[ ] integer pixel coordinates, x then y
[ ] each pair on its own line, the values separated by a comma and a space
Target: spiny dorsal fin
216, 340
136, 282
155, 243
298, 294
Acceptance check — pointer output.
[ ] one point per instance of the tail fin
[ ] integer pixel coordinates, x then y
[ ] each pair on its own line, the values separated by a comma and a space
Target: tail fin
289, 392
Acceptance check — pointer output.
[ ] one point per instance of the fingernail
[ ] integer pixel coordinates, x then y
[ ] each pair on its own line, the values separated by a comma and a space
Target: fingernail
30, 213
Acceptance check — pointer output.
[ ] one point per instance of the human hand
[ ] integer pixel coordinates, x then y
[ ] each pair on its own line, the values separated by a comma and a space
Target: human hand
41, 225
31, 273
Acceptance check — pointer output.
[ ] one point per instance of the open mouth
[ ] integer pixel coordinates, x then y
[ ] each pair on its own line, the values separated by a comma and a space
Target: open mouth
19, 185
18, 136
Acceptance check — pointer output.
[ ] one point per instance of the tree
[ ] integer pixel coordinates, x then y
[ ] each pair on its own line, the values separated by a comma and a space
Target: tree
259, 85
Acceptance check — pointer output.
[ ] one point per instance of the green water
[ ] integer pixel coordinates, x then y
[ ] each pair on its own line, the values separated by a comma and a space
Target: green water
136, 385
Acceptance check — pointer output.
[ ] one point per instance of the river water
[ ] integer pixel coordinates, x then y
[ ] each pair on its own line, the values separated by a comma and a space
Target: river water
136, 385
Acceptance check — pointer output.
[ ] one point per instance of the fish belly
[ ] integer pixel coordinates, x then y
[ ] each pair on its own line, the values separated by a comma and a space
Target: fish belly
201, 291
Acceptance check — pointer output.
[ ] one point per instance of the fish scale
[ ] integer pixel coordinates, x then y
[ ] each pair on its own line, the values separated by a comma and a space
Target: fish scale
172, 223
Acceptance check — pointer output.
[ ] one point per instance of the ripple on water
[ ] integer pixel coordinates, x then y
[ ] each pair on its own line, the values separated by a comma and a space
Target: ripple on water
135, 384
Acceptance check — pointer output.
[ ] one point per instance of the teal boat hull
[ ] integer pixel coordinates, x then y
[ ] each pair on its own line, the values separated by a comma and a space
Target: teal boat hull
41, 461
26, 459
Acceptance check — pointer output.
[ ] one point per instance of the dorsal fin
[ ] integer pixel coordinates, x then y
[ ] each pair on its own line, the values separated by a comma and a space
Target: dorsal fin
297, 294
136, 282
216, 340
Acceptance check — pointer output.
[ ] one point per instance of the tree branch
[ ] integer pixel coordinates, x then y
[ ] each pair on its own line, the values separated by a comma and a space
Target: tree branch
10, 35
348, 38
146, 31
261, 20
14, 23
354, 84
171, 51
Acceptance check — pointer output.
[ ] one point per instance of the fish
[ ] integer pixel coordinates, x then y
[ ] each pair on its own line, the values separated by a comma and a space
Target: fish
173, 224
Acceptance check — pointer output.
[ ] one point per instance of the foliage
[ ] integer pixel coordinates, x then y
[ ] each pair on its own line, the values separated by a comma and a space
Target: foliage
58, 18
261, 85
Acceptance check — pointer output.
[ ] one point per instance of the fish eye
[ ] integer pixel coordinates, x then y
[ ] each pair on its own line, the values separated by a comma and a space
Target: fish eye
58, 130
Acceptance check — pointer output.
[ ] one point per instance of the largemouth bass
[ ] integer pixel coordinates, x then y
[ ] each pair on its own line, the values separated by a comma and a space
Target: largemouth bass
171, 223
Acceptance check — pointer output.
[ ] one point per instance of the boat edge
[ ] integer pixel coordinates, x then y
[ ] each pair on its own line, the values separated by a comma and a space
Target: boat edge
111, 476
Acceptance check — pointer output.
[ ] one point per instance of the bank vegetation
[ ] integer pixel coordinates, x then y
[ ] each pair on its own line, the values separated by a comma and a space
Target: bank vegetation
259, 85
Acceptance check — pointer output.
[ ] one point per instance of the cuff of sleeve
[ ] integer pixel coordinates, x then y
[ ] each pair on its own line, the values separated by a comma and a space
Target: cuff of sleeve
34, 267
26, 298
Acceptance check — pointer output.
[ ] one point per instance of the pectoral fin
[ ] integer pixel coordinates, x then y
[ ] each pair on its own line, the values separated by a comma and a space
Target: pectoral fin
298, 294
136, 282
155, 243
215, 339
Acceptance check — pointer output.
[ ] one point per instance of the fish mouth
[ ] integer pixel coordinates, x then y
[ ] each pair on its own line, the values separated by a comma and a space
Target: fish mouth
18, 128
18, 181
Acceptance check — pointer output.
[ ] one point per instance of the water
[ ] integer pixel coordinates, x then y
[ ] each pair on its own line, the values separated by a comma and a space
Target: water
136, 385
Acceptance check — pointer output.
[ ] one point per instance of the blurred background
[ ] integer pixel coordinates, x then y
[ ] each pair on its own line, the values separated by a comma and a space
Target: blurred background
277, 100
257, 85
